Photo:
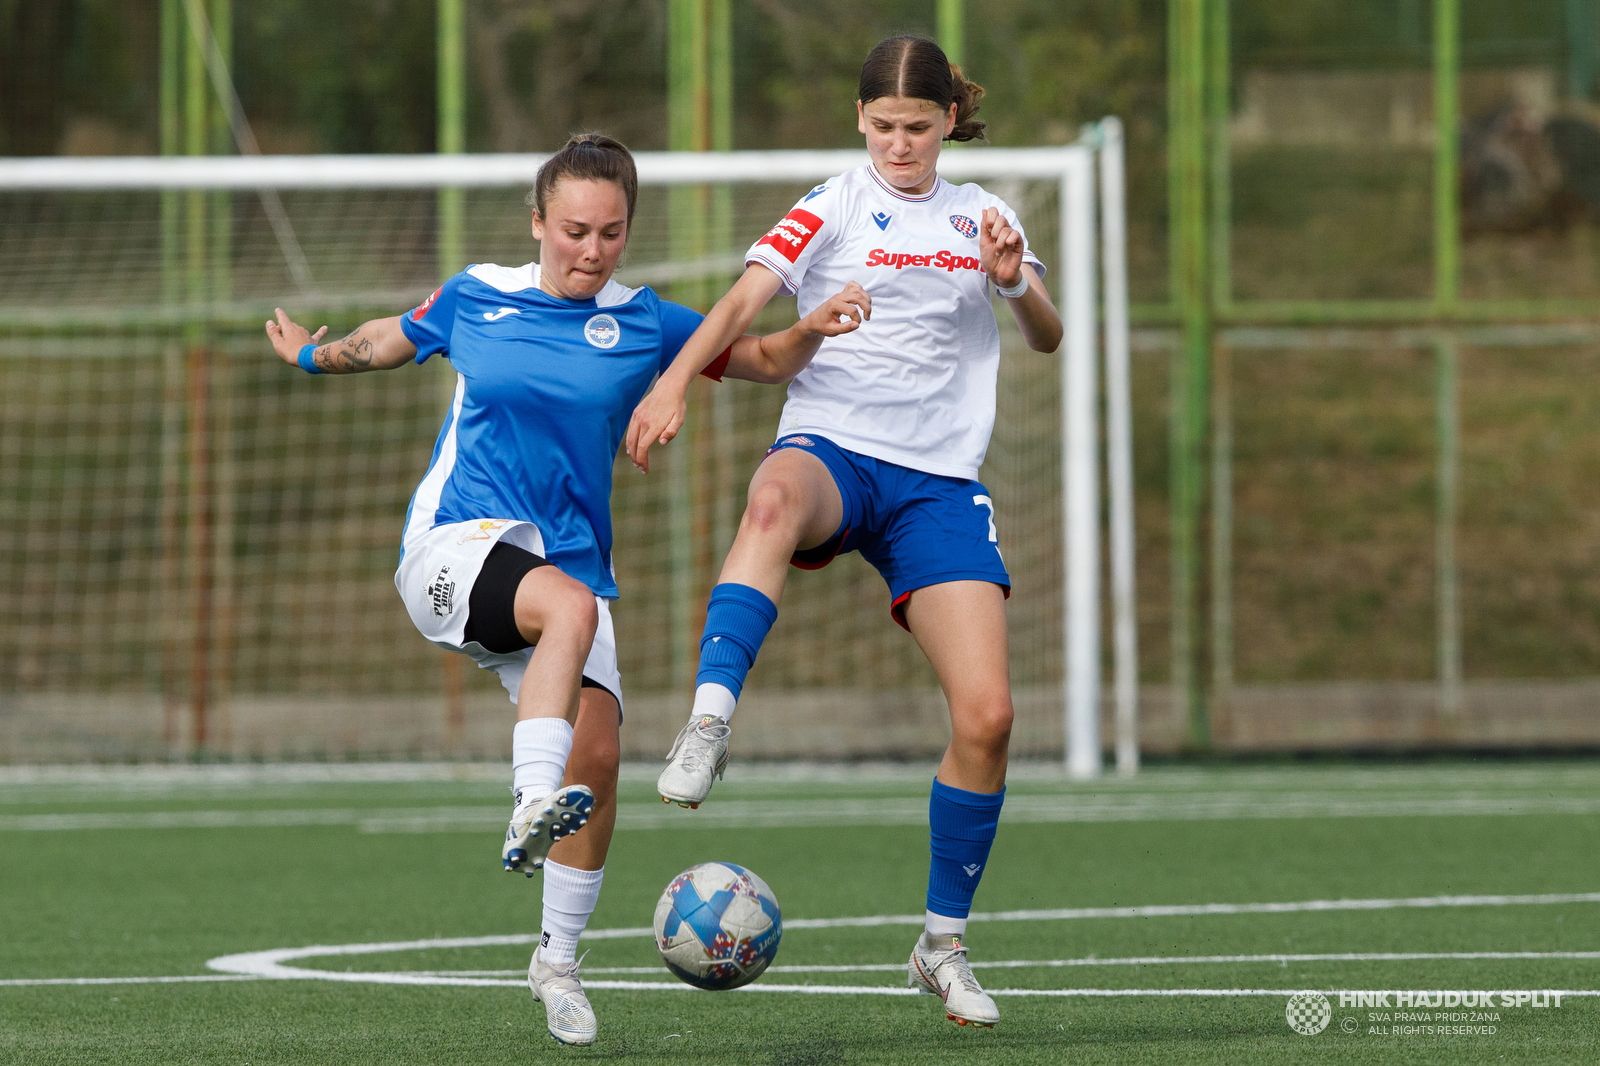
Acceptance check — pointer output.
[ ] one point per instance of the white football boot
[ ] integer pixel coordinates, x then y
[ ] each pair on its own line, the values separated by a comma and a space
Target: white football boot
566, 1008
536, 825
939, 967
699, 754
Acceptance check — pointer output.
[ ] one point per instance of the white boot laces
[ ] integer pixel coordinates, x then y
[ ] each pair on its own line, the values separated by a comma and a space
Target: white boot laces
695, 740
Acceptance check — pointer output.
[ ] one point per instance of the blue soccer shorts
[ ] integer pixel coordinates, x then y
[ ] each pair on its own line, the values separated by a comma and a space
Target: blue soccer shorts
916, 529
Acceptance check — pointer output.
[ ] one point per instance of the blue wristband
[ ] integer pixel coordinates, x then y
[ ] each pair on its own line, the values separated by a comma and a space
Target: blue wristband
307, 360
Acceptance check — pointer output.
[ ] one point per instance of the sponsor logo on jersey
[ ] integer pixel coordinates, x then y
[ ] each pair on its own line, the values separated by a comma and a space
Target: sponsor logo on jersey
946, 261
964, 225
602, 331
791, 235
495, 316
416, 315
442, 592
881, 218
814, 193
804, 442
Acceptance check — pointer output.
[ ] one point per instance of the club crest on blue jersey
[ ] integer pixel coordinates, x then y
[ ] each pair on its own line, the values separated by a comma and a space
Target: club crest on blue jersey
881, 219
814, 193
964, 225
602, 331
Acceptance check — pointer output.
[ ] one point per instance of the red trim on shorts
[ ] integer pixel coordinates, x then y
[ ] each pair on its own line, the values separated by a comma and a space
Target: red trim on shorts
815, 563
897, 609
719, 365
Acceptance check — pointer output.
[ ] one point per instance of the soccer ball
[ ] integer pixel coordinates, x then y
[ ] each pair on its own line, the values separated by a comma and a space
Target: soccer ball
718, 926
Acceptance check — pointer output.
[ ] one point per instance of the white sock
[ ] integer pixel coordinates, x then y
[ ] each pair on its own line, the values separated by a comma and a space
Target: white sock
943, 925
569, 898
539, 750
713, 699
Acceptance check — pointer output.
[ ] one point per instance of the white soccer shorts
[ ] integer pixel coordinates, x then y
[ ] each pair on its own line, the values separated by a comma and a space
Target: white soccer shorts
435, 582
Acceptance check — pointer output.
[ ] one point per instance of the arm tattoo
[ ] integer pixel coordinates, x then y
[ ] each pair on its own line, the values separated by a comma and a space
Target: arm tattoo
351, 355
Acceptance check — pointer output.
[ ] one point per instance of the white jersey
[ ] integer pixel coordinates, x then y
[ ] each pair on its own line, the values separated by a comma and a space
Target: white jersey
914, 386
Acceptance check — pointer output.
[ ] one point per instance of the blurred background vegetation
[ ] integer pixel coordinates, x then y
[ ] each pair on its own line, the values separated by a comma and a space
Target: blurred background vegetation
1320, 154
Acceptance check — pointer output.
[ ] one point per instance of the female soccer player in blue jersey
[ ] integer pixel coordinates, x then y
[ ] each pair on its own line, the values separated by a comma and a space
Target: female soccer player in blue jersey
878, 451
506, 554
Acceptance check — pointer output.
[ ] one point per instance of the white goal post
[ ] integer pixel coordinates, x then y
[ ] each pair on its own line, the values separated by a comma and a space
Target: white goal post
1092, 291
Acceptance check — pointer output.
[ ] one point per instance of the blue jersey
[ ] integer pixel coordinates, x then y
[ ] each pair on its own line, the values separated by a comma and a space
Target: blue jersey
544, 390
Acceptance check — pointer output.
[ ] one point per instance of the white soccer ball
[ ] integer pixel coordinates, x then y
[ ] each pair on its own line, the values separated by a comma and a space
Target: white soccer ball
718, 926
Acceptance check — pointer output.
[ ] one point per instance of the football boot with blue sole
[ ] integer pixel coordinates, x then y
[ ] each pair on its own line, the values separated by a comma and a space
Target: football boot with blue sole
536, 826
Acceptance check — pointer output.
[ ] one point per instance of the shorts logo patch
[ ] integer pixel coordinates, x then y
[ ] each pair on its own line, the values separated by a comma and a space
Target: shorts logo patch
485, 528
964, 225
804, 442
442, 592
602, 331
792, 233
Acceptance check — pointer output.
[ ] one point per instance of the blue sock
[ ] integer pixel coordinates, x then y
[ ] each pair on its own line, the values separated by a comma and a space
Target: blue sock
737, 620
963, 826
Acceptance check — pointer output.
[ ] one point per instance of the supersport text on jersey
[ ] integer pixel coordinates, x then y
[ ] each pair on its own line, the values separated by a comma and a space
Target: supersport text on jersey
914, 385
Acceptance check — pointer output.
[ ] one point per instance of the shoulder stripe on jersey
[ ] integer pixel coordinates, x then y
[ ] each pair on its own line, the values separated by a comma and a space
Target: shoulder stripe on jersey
425, 503
507, 279
938, 183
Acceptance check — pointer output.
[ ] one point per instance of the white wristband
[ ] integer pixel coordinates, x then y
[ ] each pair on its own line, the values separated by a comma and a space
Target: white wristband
1016, 291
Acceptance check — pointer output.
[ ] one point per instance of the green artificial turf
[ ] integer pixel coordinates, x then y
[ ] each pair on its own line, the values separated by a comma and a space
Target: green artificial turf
105, 896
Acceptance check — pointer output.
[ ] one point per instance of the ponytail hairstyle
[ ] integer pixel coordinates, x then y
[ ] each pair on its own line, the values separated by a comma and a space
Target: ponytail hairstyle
587, 157
918, 68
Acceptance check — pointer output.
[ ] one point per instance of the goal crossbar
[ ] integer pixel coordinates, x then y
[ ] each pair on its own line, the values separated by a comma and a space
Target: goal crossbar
498, 170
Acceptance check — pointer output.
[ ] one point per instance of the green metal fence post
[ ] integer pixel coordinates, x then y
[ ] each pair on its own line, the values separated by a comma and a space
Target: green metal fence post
197, 291
724, 459
171, 97
220, 268
1218, 90
688, 130
952, 30
1446, 294
451, 89
1447, 400
1446, 152
1190, 263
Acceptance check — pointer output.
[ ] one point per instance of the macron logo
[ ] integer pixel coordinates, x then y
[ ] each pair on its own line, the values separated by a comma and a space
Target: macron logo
972, 868
495, 316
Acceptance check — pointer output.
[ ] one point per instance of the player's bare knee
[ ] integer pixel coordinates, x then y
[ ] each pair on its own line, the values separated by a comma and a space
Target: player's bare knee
986, 724
772, 508
562, 605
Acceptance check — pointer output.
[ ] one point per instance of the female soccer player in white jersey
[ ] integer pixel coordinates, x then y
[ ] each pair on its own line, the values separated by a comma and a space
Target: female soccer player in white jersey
878, 451
506, 554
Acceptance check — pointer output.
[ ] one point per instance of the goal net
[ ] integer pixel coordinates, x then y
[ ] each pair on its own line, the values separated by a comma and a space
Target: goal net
199, 542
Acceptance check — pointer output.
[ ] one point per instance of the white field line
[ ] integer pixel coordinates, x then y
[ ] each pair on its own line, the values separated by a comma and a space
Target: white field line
1134, 960
1209, 806
269, 965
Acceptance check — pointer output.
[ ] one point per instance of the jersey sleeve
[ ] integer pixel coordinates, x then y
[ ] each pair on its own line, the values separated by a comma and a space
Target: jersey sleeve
429, 325
789, 248
678, 324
